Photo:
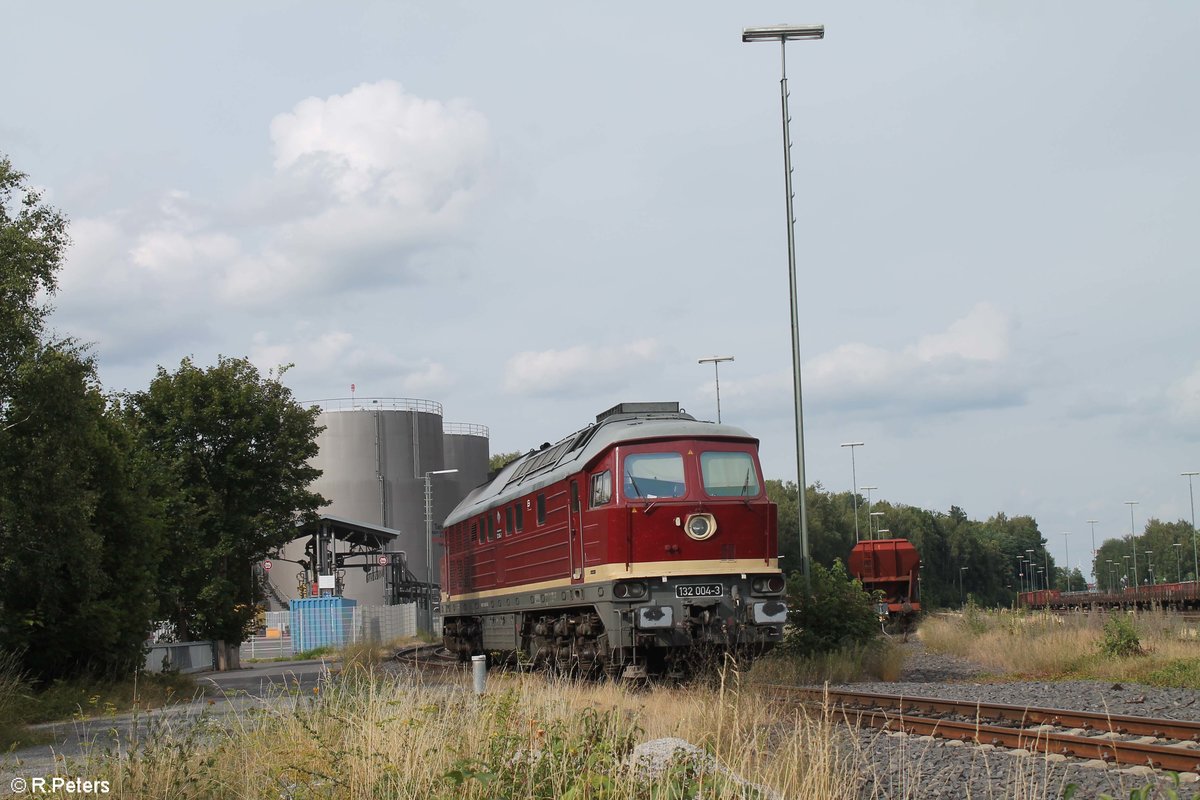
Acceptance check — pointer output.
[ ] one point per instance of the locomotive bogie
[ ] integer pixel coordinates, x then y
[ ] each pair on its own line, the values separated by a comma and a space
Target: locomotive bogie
588, 629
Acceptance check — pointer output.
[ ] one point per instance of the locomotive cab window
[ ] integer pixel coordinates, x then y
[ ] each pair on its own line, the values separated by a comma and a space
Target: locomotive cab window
508, 520
729, 475
654, 475
541, 509
520, 516
601, 488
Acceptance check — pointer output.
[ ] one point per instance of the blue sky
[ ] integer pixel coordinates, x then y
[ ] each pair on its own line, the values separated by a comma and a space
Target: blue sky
530, 212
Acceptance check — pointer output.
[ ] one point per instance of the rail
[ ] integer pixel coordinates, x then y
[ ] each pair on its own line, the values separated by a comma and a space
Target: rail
1092, 735
466, 429
375, 404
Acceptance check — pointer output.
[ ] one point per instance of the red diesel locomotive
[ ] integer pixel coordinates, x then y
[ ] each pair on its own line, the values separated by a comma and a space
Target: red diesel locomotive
638, 546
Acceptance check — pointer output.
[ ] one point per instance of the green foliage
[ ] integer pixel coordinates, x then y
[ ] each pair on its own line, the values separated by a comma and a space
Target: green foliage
79, 537
1120, 637
525, 759
230, 451
33, 241
946, 541
834, 612
80, 541
1181, 672
499, 461
1146, 791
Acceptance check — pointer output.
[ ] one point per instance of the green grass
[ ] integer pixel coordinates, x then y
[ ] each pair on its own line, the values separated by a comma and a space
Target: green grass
1180, 672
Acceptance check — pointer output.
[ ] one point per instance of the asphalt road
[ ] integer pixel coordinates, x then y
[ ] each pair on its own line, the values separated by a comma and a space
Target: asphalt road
224, 693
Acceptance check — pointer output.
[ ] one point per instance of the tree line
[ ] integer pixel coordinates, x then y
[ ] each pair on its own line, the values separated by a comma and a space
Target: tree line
988, 561
120, 512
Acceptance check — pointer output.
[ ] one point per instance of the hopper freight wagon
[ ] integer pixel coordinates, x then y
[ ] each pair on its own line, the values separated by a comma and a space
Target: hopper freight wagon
891, 567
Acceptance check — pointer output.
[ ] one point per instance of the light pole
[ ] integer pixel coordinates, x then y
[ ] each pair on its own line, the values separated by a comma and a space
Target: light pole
873, 514
868, 489
715, 360
854, 486
882, 530
1067, 559
1126, 558
1111, 588
429, 544
783, 34
1032, 569
1020, 574
1150, 566
961, 599
1178, 561
1093, 522
1045, 578
1132, 539
1192, 497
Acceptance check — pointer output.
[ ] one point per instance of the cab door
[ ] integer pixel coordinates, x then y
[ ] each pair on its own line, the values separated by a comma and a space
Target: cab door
575, 523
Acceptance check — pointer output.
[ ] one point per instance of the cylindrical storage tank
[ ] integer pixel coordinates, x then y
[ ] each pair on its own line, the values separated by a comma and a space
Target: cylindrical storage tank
374, 454
465, 447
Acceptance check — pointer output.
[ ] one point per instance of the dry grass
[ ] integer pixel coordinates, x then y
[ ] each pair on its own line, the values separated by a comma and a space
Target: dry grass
882, 660
375, 735
1039, 645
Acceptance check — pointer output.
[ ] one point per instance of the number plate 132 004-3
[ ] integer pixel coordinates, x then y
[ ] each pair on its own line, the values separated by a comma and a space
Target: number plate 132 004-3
699, 590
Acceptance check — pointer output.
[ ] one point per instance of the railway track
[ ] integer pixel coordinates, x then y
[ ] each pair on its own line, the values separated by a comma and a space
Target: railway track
427, 656
1161, 744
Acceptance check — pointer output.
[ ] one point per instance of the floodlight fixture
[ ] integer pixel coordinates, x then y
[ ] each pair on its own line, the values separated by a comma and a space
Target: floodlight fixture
783, 33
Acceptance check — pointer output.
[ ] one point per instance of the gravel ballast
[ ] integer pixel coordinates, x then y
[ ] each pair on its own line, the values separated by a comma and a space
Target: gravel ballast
900, 766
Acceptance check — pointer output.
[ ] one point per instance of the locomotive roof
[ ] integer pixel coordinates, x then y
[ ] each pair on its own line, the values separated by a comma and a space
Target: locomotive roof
551, 463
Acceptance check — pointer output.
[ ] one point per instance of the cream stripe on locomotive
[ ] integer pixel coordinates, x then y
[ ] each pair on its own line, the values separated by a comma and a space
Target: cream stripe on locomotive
642, 570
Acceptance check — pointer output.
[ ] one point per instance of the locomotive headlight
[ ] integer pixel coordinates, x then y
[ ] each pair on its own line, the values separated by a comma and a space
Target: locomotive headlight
700, 526
767, 584
629, 591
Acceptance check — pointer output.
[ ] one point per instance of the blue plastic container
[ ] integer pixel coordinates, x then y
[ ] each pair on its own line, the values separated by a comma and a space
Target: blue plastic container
322, 622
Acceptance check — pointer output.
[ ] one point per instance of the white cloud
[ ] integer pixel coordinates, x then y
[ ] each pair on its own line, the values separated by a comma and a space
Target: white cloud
378, 141
967, 366
333, 358
577, 370
981, 336
364, 185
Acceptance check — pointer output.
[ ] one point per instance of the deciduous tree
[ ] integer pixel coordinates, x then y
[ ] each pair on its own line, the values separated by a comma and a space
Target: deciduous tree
232, 451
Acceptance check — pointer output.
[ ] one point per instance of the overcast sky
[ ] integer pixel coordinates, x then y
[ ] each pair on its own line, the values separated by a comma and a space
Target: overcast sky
531, 211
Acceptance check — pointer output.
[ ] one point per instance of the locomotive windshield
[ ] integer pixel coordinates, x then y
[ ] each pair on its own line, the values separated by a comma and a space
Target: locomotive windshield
729, 475
653, 475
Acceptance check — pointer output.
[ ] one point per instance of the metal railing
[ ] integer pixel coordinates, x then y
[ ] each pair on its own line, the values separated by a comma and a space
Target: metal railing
335, 628
262, 647
375, 404
466, 429
180, 656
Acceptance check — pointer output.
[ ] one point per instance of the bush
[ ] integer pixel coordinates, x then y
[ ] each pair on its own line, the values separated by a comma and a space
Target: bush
1120, 637
14, 697
835, 612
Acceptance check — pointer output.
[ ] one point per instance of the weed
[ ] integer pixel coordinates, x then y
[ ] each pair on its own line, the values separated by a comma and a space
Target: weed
1120, 637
